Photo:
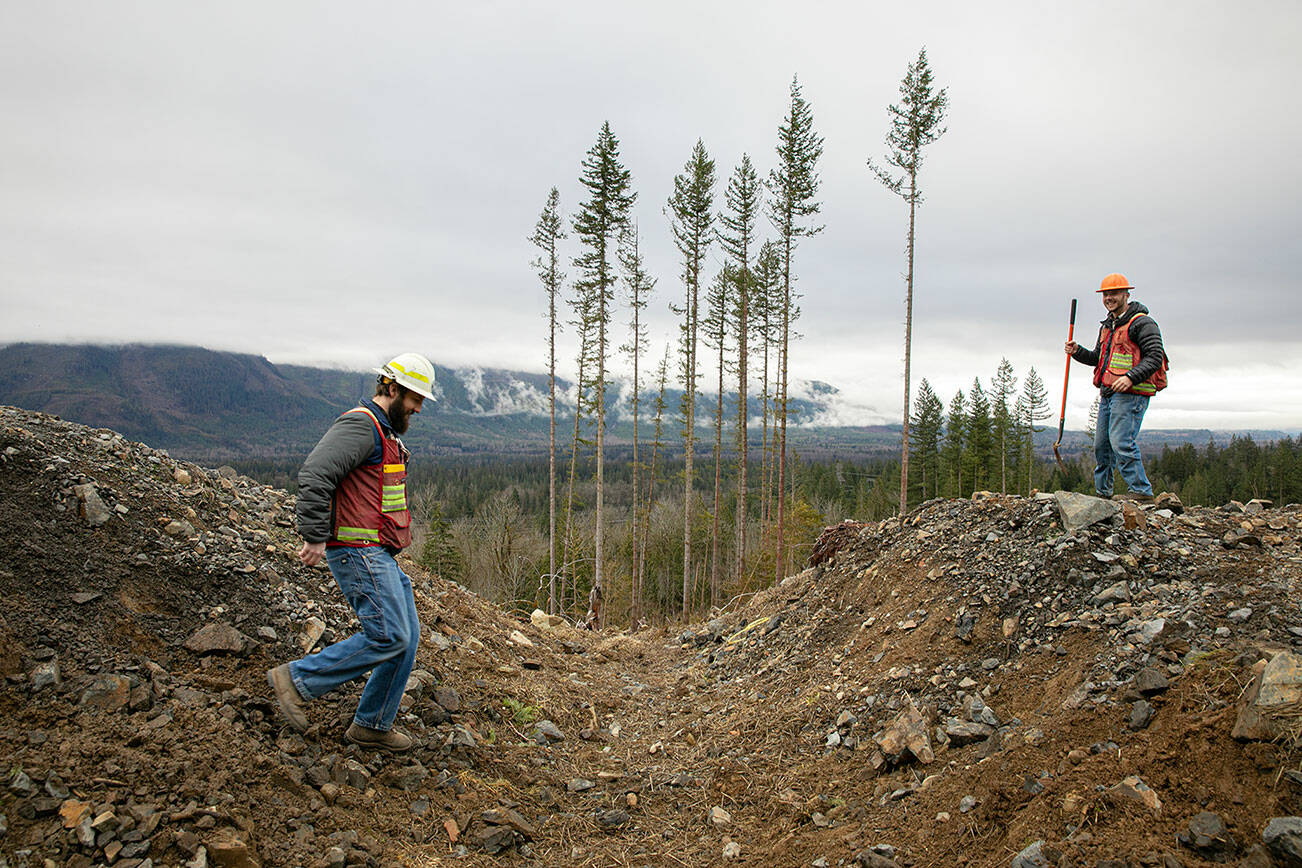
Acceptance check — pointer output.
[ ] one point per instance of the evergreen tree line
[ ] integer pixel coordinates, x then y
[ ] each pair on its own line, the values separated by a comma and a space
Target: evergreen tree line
982, 441
1239, 471
486, 524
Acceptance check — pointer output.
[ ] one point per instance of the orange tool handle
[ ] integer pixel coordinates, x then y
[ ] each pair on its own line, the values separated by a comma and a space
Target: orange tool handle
1062, 416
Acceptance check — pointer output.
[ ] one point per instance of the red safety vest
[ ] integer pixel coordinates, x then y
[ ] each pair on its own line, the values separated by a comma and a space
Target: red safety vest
370, 504
1118, 354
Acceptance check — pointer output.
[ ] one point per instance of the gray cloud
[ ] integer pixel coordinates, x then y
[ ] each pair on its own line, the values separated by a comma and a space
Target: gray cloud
322, 182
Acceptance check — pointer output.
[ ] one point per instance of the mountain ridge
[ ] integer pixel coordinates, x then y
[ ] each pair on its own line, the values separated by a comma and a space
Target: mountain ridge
219, 404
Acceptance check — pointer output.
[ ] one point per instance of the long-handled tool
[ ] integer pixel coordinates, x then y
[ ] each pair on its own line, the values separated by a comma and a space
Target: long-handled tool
1062, 416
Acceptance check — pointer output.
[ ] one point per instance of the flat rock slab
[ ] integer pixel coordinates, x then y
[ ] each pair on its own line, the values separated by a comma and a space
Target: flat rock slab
1281, 682
1208, 835
1283, 838
90, 506
1079, 511
217, 639
1134, 790
108, 693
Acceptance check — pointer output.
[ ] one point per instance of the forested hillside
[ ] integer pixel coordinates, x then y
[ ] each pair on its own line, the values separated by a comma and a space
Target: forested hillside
217, 406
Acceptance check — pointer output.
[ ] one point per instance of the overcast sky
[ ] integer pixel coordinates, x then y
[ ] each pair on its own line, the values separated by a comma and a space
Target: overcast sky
330, 183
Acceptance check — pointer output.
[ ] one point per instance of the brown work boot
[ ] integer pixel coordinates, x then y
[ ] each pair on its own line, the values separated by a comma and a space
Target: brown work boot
392, 740
1133, 497
291, 702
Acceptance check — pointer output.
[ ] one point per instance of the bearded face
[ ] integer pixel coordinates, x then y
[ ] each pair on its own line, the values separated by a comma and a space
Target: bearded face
403, 406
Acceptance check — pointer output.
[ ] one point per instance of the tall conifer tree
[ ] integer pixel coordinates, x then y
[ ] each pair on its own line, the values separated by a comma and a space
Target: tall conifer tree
926, 429
1033, 405
915, 123
793, 186
691, 209
765, 302
546, 234
955, 435
718, 301
737, 237
979, 449
598, 224
662, 378
639, 286
581, 302
1002, 388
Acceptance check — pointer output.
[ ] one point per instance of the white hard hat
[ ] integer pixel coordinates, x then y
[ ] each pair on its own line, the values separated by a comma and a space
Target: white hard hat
413, 371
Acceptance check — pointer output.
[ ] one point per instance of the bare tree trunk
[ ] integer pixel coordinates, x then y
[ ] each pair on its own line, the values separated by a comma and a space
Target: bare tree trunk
567, 565
551, 459
635, 580
718, 477
689, 439
908, 349
655, 461
742, 446
779, 554
594, 616
766, 465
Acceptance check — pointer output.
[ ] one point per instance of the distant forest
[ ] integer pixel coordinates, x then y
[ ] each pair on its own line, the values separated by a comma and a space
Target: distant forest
483, 521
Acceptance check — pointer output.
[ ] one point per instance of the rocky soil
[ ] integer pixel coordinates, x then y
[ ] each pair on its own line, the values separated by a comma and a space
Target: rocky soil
1000, 681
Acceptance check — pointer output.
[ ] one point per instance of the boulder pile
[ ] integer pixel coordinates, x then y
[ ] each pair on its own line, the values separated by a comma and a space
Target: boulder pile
1030, 681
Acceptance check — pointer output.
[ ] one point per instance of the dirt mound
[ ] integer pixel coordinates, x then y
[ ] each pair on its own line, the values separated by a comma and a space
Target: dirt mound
955, 691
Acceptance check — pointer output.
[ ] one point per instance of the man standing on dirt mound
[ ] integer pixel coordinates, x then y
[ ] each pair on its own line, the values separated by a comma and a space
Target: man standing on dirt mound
1129, 368
352, 511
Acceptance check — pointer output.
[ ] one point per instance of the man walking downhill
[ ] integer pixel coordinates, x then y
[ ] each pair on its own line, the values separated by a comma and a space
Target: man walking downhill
352, 511
1129, 368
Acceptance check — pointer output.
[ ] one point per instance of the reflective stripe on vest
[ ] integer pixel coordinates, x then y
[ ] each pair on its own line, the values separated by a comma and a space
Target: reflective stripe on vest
393, 498
358, 534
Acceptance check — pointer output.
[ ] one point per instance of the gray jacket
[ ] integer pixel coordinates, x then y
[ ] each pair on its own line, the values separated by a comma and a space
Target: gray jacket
346, 445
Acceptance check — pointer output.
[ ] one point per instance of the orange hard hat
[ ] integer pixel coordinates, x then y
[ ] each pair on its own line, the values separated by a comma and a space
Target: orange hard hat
1114, 281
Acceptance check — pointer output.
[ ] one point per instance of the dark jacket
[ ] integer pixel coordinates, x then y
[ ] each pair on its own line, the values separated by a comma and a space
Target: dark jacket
347, 444
1143, 332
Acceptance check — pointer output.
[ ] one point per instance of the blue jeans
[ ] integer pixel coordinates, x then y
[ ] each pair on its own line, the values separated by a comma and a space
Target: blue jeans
1115, 442
380, 593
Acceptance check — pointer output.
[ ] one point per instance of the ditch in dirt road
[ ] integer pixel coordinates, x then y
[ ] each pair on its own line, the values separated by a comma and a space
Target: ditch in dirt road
972, 686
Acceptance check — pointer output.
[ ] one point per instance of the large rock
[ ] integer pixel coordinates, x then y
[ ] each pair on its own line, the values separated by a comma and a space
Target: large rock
546, 732
1281, 681
961, 732
313, 629
228, 850
493, 839
217, 638
508, 817
448, 699
1031, 857
90, 506
1134, 791
1079, 511
1277, 685
107, 693
1171, 501
1141, 715
1283, 838
406, 778
907, 732
46, 674
543, 621
1208, 835
1151, 682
